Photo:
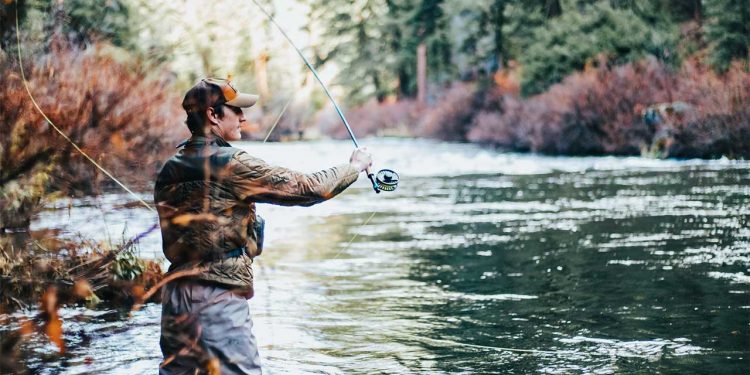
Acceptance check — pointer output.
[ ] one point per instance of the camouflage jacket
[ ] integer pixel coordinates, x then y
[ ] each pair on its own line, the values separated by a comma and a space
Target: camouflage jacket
206, 196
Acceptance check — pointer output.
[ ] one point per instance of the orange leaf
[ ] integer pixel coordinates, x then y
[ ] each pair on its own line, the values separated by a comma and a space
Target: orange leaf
185, 219
53, 325
49, 301
213, 366
55, 332
82, 288
138, 291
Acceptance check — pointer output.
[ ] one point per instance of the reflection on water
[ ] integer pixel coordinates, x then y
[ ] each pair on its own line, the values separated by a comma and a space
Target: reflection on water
480, 262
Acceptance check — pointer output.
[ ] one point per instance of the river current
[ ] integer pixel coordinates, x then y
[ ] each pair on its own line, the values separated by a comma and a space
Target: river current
480, 262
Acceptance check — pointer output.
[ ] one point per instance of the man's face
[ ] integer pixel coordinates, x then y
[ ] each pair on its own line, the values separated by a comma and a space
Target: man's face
229, 125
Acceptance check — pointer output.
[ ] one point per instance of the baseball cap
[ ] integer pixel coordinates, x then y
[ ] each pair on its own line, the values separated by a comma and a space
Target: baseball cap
201, 96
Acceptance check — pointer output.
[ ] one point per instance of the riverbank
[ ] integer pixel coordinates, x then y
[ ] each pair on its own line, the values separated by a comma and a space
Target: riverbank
83, 271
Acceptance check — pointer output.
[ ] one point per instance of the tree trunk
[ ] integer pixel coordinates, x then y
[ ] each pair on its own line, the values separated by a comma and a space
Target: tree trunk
379, 92
697, 12
552, 8
498, 18
421, 74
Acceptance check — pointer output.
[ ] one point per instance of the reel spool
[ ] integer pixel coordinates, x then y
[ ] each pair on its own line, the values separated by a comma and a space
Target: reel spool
387, 180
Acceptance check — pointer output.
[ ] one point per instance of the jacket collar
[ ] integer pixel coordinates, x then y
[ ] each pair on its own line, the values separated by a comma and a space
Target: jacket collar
202, 140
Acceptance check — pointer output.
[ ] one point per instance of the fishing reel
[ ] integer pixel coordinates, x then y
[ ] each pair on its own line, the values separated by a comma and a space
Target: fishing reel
385, 180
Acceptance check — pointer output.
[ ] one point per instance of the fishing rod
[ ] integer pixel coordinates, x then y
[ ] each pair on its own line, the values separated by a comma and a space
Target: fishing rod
386, 179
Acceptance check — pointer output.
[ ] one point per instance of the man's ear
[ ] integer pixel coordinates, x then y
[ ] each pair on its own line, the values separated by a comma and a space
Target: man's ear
212, 116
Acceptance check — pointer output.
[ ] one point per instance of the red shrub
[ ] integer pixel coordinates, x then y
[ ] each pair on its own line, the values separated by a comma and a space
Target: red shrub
125, 120
501, 128
599, 111
450, 118
372, 118
722, 126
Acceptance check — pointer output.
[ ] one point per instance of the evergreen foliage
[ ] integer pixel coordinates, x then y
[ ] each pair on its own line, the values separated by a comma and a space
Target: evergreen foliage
727, 31
428, 24
357, 38
576, 38
81, 21
374, 43
89, 20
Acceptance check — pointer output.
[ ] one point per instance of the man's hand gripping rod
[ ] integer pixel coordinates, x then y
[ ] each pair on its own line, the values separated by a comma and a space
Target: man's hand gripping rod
390, 178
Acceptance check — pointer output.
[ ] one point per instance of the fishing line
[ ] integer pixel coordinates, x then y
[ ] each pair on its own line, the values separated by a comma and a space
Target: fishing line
75, 146
278, 118
354, 237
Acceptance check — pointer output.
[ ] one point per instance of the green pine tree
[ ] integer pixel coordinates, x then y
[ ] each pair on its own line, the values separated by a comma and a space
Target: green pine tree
727, 31
355, 36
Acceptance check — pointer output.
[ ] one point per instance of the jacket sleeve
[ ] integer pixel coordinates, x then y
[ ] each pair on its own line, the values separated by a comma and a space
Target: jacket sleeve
254, 180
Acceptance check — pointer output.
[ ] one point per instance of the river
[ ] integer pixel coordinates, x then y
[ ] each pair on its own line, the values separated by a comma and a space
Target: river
480, 262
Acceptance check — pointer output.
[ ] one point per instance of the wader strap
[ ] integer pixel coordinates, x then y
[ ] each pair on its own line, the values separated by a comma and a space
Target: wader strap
236, 252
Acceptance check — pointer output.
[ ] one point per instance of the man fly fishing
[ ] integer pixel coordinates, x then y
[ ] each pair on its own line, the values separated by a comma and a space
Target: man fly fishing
206, 196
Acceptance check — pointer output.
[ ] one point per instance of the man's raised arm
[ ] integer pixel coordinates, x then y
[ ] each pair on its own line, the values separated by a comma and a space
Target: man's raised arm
254, 180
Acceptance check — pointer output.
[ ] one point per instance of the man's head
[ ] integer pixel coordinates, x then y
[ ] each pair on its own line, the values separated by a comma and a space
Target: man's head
213, 105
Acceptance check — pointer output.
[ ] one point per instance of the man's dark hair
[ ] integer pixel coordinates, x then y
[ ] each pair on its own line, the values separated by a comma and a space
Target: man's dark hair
200, 99
195, 120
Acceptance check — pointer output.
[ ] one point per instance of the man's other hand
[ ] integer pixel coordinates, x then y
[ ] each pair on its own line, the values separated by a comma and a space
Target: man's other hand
361, 159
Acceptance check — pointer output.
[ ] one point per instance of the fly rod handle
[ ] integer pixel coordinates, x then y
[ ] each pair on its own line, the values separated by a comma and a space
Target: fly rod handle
371, 176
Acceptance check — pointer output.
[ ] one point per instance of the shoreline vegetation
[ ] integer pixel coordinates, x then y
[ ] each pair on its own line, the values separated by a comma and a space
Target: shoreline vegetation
644, 108
80, 271
40, 273
558, 77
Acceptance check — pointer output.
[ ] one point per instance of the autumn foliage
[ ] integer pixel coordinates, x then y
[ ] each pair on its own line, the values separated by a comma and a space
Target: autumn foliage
372, 118
601, 111
126, 119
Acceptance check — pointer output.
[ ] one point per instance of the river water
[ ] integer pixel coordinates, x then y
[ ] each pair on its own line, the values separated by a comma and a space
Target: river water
480, 262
